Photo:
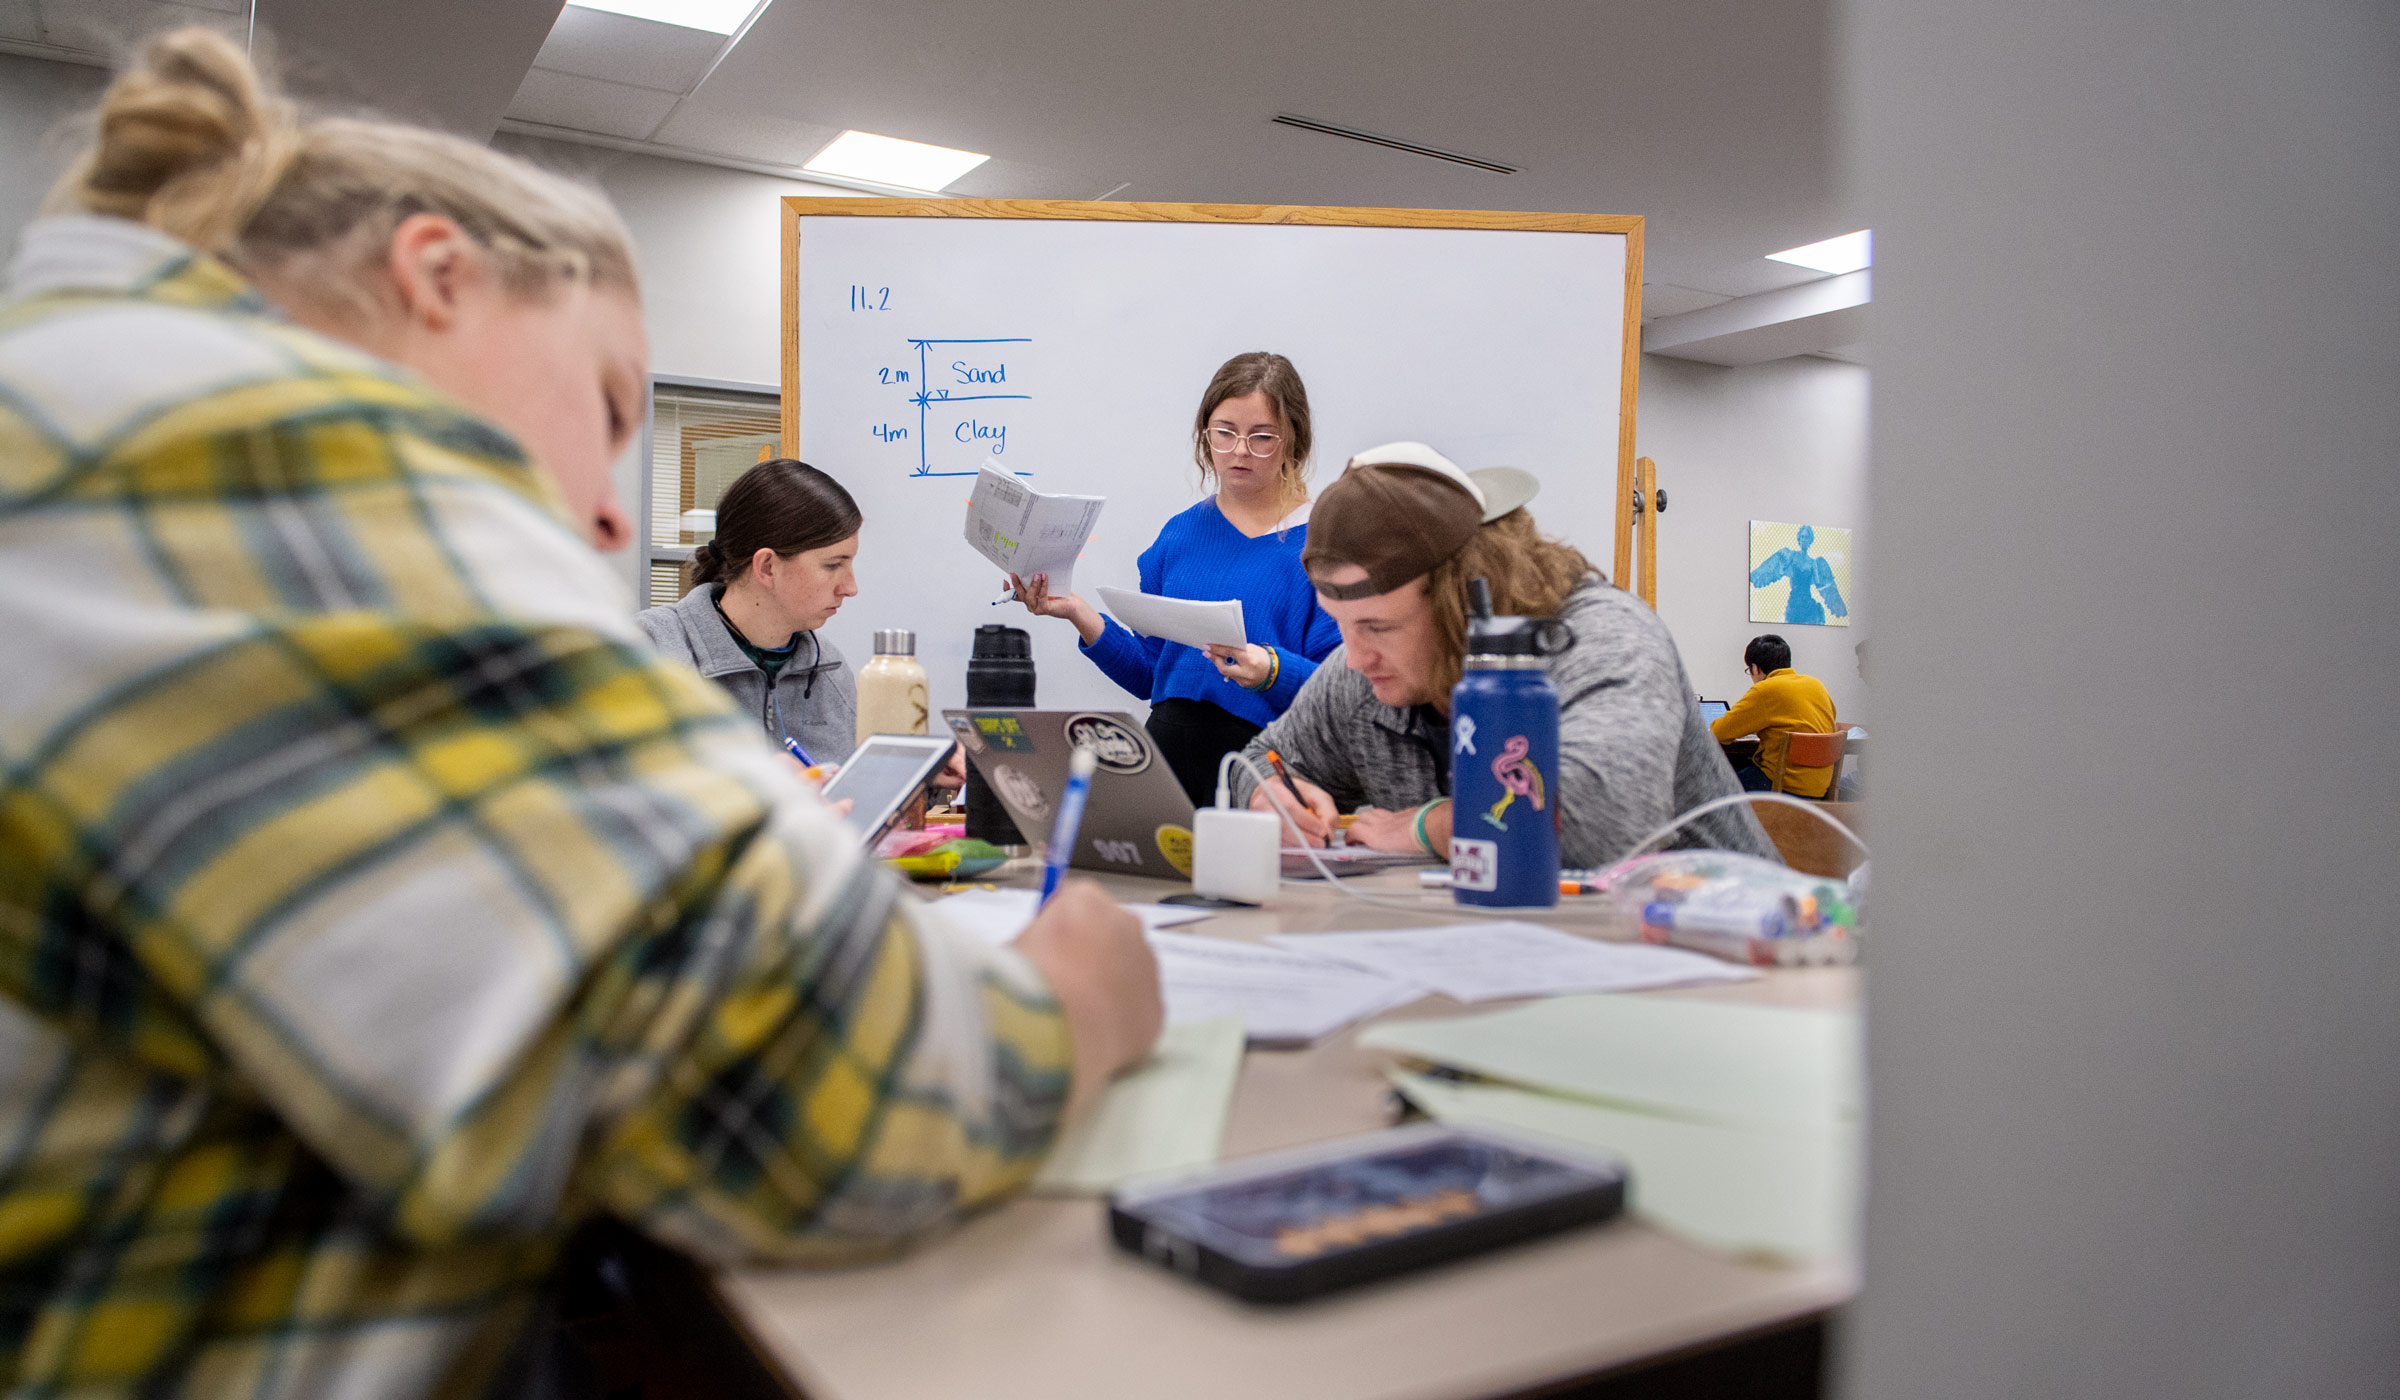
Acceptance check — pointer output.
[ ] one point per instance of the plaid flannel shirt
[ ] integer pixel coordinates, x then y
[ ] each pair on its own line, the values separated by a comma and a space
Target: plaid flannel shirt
374, 905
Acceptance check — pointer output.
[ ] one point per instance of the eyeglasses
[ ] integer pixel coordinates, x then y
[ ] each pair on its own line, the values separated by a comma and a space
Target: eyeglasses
1225, 442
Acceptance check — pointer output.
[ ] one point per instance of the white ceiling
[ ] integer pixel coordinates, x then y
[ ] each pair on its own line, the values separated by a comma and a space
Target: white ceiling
1712, 118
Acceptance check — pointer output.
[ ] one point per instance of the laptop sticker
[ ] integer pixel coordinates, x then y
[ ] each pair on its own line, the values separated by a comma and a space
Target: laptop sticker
1119, 748
1175, 843
1019, 791
1004, 733
968, 739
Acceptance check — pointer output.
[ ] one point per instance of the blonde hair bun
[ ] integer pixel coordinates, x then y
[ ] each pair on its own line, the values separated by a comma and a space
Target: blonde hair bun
189, 140
193, 142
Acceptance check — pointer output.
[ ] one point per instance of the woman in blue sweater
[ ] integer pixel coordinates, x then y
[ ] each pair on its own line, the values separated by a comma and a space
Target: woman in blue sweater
1251, 438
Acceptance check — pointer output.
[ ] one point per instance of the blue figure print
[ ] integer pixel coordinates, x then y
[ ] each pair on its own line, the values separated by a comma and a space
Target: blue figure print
1809, 576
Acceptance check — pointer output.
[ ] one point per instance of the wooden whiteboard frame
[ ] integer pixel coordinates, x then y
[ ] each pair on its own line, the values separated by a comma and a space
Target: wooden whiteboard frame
1627, 225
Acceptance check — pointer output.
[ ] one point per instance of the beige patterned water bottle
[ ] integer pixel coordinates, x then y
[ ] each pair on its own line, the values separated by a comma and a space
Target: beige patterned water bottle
891, 688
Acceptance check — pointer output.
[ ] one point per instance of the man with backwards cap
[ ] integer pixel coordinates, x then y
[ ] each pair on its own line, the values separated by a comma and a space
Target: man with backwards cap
1391, 546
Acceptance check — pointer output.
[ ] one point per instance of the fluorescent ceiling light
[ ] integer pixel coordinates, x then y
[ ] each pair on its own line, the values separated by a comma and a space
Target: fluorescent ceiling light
888, 160
715, 16
1848, 253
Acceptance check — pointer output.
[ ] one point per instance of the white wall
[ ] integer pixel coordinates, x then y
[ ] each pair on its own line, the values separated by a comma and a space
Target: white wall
1778, 441
710, 245
2134, 1007
37, 100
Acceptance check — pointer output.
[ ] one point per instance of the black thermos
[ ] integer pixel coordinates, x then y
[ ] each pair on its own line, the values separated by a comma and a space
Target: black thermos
999, 672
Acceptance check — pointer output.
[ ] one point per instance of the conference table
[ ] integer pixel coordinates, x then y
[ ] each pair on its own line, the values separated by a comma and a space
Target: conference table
1030, 1301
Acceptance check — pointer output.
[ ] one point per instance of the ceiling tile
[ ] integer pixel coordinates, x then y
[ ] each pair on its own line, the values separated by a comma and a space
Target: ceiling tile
1713, 119
588, 104
702, 126
622, 49
106, 27
1667, 299
20, 22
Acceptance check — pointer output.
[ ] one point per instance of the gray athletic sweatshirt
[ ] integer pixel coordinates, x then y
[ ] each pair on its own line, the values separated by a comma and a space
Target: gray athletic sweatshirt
814, 699
1633, 750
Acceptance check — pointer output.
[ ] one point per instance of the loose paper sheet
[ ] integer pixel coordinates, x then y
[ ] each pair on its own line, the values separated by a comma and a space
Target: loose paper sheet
1788, 1193
998, 916
1177, 619
1028, 533
1283, 998
1168, 1115
1705, 1061
1487, 961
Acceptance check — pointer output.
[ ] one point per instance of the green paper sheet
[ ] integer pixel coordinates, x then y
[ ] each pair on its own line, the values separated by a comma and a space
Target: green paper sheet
1707, 1061
1786, 1194
1168, 1115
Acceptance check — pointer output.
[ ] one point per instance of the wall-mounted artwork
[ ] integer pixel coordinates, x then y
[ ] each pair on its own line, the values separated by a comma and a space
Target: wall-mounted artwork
1799, 573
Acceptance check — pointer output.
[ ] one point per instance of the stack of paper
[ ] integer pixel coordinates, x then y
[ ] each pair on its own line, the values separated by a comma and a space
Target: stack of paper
998, 916
1484, 962
1026, 532
1167, 1115
1741, 1123
1283, 998
1177, 619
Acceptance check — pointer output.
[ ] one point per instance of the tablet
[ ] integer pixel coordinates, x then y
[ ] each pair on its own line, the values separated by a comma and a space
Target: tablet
887, 773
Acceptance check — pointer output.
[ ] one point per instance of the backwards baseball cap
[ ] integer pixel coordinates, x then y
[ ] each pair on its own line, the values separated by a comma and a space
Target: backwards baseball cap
1398, 511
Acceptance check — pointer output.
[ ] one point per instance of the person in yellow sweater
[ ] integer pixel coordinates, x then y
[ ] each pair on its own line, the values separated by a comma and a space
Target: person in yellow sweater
1779, 703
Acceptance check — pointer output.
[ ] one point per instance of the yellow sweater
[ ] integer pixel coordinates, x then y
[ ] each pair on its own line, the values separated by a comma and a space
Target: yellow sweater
1783, 704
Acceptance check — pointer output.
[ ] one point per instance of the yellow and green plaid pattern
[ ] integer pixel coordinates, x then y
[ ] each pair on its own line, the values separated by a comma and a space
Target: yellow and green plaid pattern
373, 905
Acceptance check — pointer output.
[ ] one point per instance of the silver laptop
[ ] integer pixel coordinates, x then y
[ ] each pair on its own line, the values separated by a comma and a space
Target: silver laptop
1137, 820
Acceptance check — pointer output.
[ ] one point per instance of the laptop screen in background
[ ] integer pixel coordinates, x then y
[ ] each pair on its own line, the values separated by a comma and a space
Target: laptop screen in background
1711, 709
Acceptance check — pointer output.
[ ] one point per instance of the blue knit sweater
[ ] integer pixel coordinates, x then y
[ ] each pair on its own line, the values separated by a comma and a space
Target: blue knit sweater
1201, 556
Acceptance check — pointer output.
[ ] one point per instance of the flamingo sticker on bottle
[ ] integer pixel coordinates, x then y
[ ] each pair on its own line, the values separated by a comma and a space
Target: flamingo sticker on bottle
1504, 760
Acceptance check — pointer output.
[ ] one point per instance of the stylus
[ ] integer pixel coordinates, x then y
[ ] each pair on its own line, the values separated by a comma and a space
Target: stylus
1070, 818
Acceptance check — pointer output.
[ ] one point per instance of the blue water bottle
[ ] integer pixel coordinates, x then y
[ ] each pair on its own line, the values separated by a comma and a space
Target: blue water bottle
1504, 761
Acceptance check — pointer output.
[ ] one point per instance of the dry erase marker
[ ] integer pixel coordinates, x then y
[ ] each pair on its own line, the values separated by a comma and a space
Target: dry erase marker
792, 747
1070, 820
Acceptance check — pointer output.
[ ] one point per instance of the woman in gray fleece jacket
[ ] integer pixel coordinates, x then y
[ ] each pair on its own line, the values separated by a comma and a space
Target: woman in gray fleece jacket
1391, 547
778, 570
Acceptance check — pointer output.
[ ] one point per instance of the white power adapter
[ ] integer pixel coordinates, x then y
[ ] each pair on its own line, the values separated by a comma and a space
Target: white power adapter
1236, 853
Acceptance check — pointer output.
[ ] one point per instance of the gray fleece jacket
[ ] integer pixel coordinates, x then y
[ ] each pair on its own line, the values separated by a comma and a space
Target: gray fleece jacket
813, 699
1633, 750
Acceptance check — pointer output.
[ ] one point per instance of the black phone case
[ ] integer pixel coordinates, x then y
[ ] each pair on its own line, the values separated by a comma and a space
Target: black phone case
1365, 1263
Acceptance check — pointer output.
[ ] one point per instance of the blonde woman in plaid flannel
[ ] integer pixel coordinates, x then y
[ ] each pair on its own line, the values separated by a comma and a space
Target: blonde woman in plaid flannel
374, 905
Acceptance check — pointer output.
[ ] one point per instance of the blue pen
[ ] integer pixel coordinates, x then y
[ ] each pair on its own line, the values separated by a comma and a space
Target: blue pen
792, 747
1070, 818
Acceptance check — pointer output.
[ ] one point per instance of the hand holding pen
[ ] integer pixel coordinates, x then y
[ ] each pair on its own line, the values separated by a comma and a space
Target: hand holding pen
1069, 822
1309, 806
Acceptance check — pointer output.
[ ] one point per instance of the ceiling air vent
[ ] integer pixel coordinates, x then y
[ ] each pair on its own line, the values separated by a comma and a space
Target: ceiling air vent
1394, 143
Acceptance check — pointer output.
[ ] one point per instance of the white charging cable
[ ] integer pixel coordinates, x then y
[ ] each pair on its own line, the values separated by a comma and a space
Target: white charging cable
1445, 910
1448, 908
1648, 843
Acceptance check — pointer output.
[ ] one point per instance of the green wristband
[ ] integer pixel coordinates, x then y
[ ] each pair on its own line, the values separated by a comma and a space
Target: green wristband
1418, 826
1274, 669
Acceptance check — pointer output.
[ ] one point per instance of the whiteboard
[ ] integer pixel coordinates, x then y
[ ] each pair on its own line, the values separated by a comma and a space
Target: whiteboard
1073, 353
